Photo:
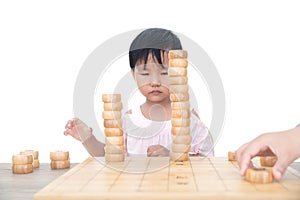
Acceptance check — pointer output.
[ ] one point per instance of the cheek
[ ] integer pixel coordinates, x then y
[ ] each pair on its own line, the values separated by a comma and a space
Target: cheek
165, 89
165, 81
141, 83
144, 90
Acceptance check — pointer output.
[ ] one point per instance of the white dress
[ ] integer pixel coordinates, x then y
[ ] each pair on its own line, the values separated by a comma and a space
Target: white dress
140, 133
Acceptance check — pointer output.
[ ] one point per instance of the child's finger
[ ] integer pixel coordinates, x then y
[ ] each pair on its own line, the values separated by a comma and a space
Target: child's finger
68, 124
74, 122
67, 132
149, 154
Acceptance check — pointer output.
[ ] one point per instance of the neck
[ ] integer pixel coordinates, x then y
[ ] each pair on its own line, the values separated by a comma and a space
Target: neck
157, 111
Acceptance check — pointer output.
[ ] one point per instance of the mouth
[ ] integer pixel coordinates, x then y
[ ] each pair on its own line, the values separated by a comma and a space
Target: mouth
155, 92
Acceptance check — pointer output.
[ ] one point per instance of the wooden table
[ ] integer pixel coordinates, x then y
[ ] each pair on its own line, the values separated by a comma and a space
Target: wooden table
24, 186
156, 178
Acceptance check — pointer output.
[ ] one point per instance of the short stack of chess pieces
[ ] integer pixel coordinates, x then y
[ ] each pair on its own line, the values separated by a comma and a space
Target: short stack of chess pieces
59, 160
180, 105
25, 162
261, 174
112, 115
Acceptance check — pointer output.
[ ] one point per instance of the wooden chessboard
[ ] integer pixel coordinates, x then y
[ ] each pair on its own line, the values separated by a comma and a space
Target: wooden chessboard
198, 178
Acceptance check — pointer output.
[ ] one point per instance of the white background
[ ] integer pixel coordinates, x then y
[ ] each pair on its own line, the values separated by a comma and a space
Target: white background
255, 46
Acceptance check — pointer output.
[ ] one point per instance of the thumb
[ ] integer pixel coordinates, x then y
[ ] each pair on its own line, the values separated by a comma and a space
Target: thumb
279, 168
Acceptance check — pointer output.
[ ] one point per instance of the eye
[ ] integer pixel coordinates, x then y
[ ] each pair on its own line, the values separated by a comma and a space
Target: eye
164, 73
144, 74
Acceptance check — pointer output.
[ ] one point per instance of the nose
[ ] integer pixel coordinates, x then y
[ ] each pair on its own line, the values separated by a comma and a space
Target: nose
155, 80
155, 84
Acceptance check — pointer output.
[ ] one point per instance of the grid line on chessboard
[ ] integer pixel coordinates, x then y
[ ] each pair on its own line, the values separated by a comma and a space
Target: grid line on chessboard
141, 182
168, 186
103, 166
194, 176
218, 174
118, 176
68, 175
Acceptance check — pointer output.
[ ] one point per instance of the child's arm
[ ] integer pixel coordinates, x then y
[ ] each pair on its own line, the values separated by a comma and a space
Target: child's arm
81, 132
285, 145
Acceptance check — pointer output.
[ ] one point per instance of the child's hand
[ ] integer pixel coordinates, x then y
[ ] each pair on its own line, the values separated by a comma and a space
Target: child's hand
157, 150
77, 129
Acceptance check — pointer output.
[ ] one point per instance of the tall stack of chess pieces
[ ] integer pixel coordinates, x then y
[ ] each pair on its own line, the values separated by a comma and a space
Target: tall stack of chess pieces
180, 105
114, 140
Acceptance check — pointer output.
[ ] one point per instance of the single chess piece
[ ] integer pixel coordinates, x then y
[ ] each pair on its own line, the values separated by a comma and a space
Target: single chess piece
36, 163
109, 132
231, 156
113, 123
22, 168
181, 113
179, 89
177, 54
59, 155
33, 152
177, 71
178, 62
182, 139
180, 148
22, 159
268, 161
114, 115
111, 98
114, 140
183, 96
180, 122
60, 164
180, 131
259, 175
114, 149
115, 157
179, 156
180, 105
117, 106
178, 80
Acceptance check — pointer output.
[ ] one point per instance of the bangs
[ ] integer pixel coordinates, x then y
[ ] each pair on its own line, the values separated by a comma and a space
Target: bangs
141, 56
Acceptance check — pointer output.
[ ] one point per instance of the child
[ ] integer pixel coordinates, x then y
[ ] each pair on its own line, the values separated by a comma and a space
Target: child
147, 127
285, 145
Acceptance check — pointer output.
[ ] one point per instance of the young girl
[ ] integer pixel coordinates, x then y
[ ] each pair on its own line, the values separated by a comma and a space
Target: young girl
147, 127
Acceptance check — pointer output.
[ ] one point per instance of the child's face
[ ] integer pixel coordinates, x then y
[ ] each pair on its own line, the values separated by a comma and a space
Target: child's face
152, 79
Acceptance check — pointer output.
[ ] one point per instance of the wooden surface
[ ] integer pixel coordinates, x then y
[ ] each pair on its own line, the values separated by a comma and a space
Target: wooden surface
24, 186
199, 178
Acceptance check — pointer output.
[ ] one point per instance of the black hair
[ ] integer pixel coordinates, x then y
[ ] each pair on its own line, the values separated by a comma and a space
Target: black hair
152, 41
